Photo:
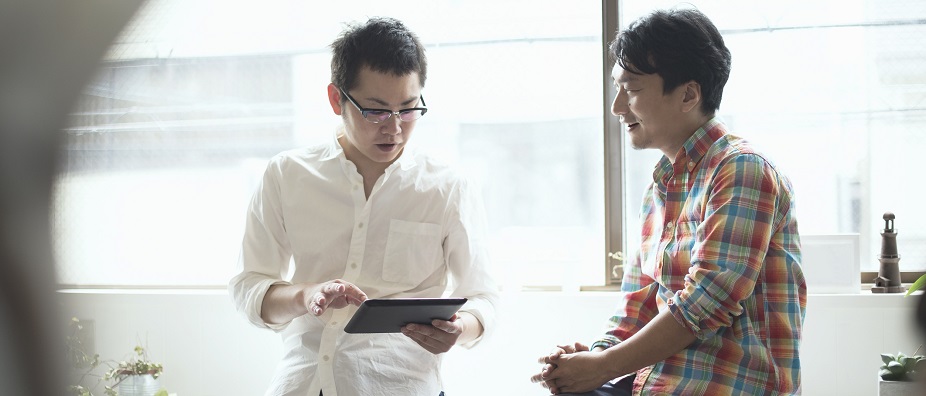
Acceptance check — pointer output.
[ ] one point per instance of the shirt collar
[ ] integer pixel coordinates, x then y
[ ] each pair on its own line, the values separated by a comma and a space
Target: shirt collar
334, 150
692, 151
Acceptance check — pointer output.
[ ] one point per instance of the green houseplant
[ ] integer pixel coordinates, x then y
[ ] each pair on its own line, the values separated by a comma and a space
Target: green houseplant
901, 367
901, 374
116, 374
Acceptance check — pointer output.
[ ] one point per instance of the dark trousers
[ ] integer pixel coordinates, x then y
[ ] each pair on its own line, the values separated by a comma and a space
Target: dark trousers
623, 387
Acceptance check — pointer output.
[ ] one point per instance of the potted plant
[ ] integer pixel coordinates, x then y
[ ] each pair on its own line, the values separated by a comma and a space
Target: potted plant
899, 374
137, 376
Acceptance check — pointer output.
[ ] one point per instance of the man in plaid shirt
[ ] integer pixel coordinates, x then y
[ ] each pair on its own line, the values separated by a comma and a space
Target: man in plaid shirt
714, 299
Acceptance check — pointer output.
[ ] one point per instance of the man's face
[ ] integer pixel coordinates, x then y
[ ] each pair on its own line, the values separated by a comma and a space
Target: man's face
365, 142
653, 119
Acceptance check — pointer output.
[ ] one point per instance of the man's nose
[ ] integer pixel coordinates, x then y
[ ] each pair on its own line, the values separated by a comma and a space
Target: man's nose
392, 126
619, 107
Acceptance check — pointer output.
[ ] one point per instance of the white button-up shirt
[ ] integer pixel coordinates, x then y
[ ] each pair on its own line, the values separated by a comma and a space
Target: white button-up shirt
421, 223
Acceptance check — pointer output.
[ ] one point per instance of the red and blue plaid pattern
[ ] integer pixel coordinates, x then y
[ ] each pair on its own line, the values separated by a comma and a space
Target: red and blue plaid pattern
720, 250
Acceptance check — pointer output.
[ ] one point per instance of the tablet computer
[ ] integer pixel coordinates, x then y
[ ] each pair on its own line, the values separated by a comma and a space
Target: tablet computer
388, 315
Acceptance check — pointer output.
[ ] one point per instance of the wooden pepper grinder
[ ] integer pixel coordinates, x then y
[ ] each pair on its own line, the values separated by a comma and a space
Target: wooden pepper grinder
888, 280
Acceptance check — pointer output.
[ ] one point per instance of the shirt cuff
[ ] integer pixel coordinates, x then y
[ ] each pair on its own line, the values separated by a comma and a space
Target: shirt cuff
605, 343
478, 308
255, 301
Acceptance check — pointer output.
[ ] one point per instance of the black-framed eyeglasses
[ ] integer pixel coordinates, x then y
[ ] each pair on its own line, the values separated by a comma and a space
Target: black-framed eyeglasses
377, 116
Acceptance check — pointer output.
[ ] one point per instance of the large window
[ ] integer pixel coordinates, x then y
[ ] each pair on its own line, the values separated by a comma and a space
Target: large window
169, 141
835, 93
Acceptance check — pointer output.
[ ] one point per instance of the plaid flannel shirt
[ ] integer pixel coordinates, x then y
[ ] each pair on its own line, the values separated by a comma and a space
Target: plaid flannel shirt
720, 250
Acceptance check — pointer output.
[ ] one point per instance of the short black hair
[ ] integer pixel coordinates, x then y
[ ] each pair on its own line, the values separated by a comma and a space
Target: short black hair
384, 45
679, 45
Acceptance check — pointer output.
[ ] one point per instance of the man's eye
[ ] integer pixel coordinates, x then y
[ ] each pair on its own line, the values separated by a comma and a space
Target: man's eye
376, 113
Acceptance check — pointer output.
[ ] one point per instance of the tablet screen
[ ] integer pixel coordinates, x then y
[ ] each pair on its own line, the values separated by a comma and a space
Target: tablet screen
388, 315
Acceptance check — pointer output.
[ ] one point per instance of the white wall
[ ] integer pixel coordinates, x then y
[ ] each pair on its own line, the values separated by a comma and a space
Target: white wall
209, 350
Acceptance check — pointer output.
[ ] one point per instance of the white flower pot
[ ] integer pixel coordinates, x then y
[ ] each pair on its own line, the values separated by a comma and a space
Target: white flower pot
139, 385
897, 388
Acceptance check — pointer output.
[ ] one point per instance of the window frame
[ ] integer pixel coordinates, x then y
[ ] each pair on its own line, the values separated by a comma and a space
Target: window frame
614, 160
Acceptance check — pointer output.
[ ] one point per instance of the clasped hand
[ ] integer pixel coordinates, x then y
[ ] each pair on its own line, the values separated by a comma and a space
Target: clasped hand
572, 369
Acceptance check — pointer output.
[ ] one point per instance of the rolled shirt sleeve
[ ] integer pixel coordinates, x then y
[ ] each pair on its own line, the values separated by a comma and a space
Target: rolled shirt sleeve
265, 251
466, 253
637, 308
731, 245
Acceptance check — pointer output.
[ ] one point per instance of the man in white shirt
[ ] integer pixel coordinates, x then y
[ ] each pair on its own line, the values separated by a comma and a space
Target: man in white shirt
364, 217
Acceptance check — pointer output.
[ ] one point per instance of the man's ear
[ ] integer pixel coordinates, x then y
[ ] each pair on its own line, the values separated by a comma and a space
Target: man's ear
692, 98
334, 98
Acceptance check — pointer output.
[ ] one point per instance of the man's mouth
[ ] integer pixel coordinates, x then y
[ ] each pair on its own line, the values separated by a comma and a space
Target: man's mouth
387, 147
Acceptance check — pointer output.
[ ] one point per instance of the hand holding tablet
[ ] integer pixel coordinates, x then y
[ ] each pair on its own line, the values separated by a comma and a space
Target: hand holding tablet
388, 315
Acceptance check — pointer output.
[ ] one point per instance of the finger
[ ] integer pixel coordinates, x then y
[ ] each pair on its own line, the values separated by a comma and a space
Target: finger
317, 305
580, 347
552, 387
548, 359
425, 336
547, 370
333, 288
352, 292
552, 357
441, 337
427, 343
539, 378
447, 327
316, 310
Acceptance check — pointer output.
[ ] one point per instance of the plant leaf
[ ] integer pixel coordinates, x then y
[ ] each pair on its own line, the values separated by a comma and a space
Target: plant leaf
887, 358
887, 375
920, 282
161, 392
896, 368
909, 363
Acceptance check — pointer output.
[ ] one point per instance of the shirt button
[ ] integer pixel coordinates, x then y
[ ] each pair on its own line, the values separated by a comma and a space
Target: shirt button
360, 225
691, 166
325, 358
353, 265
669, 226
335, 323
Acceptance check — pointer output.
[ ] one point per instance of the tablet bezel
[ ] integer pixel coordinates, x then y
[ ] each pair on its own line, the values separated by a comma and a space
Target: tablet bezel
388, 315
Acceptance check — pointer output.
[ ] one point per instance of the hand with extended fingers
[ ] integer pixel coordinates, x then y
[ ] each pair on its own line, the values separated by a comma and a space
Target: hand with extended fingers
335, 294
439, 336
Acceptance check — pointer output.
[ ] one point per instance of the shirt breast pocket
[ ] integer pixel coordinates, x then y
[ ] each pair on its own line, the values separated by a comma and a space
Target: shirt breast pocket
677, 258
413, 251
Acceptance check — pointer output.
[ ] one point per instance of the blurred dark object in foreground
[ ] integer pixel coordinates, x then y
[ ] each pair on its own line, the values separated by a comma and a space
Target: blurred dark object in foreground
50, 49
